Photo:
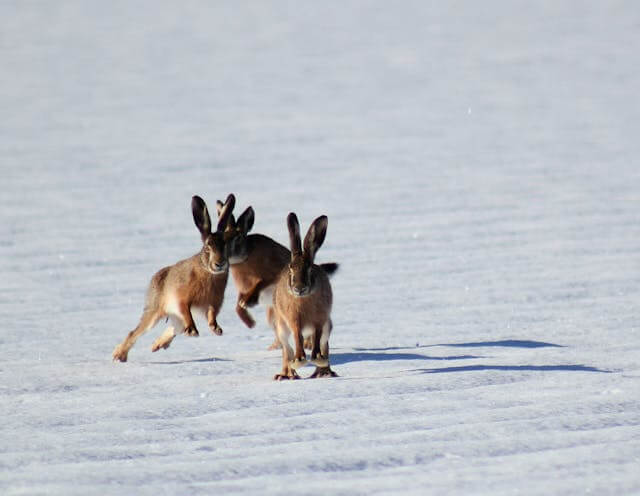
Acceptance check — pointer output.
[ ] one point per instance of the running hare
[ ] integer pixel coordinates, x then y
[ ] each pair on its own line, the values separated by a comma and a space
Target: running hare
256, 263
302, 301
196, 283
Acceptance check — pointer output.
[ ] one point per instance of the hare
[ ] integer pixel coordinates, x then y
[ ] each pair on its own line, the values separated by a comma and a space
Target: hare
195, 283
256, 263
302, 302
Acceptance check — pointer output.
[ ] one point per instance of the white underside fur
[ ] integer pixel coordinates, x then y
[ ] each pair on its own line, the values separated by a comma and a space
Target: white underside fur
171, 305
172, 310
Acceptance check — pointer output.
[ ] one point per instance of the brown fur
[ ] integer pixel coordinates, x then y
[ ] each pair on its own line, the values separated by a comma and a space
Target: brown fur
302, 300
263, 259
195, 283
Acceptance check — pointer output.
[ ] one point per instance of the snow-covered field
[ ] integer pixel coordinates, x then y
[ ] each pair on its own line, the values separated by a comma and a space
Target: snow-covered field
480, 166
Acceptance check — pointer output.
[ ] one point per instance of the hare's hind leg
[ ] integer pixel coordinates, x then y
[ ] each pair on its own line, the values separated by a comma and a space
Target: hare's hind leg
271, 319
249, 299
244, 314
324, 370
147, 321
283, 333
165, 339
213, 323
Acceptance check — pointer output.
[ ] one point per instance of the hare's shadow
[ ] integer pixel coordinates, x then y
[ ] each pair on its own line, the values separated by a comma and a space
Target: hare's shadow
378, 354
507, 343
530, 368
196, 360
375, 356
382, 354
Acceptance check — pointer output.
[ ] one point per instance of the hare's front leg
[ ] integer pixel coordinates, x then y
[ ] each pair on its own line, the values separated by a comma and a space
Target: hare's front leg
213, 323
287, 353
300, 358
184, 311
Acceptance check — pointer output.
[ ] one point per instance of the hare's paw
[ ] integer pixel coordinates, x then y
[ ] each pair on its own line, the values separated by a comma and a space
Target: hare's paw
320, 361
164, 341
275, 345
160, 344
191, 331
245, 316
296, 363
292, 375
216, 329
323, 372
120, 354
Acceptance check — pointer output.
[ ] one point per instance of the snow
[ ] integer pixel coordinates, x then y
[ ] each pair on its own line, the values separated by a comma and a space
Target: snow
478, 163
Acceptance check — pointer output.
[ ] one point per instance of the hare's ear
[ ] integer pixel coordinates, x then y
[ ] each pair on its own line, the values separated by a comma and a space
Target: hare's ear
294, 234
245, 221
232, 219
224, 214
201, 216
315, 237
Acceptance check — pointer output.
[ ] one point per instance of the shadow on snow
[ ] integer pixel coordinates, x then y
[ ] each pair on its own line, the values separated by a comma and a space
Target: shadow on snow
197, 360
533, 368
366, 356
507, 343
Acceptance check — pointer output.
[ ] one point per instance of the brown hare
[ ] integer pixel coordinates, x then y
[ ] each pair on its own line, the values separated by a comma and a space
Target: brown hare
302, 302
256, 263
197, 283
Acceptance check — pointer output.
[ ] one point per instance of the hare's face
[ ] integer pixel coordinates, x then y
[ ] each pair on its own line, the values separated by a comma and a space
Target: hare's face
214, 253
236, 245
300, 277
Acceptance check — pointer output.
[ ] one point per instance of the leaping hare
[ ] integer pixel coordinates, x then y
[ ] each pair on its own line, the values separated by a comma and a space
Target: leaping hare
256, 263
302, 301
197, 283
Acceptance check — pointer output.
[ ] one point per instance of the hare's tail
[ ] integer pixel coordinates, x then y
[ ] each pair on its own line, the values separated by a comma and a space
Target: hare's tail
329, 268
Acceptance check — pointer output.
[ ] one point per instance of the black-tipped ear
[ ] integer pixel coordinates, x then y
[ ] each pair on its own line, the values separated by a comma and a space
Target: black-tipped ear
315, 237
225, 212
294, 234
245, 221
232, 220
201, 216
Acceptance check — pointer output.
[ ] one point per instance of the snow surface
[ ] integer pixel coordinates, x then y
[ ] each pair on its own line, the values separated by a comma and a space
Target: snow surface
479, 164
